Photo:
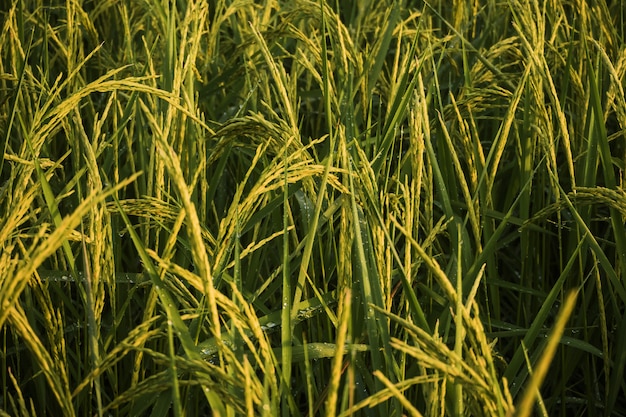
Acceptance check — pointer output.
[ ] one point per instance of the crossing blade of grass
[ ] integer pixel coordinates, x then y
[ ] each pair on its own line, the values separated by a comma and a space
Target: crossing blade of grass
414, 304
308, 374
617, 287
606, 264
525, 406
371, 294
313, 227
453, 169
85, 286
493, 239
607, 169
16, 96
540, 402
497, 148
472, 215
48, 194
342, 335
326, 79
164, 402
598, 143
392, 390
287, 328
12, 289
313, 221
381, 48
457, 394
399, 107
396, 393
484, 393
373, 205
182, 332
21, 403
471, 48
280, 80
53, 372
514, 372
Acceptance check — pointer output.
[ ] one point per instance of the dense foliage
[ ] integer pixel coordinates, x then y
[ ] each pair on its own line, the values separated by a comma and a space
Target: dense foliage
380, 208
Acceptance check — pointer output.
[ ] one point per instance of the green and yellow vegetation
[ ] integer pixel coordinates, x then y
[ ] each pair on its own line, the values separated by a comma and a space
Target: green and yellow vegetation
312, 207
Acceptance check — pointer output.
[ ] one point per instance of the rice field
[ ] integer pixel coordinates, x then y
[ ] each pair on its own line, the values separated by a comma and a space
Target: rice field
303, 208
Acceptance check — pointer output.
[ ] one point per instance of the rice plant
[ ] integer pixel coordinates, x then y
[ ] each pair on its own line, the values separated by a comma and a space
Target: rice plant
300, 208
